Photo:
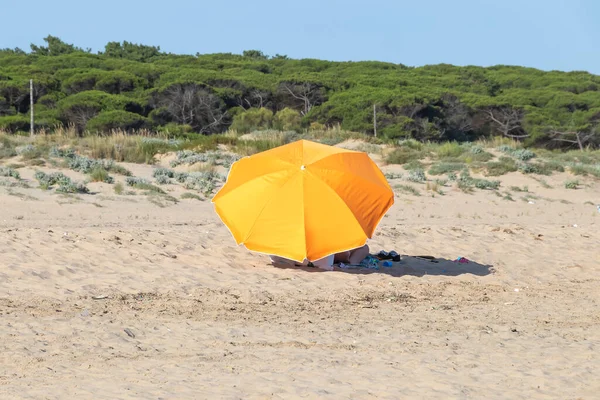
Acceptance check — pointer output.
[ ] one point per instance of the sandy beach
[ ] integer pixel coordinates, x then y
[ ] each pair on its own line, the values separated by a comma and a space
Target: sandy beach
106, 296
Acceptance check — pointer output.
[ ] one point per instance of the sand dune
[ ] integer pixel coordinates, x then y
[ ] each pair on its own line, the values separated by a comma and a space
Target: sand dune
105, 296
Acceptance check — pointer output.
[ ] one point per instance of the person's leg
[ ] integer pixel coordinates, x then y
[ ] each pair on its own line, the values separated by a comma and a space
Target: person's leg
343, 257
359, 254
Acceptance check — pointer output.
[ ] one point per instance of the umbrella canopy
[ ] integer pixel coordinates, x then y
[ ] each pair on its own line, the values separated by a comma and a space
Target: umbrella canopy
303, 200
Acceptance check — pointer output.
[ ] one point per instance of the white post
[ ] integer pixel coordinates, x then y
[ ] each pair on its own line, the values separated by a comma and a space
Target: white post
31, 106
374, 120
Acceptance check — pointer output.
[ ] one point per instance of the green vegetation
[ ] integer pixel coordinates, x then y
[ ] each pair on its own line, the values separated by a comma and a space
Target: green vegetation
9, 172
118, 188
132, 87
65, 184
188, 195
572, 184
142, 184
408, 189
100, 175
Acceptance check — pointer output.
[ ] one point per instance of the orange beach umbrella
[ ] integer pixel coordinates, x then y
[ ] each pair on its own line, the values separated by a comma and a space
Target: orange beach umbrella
303, 200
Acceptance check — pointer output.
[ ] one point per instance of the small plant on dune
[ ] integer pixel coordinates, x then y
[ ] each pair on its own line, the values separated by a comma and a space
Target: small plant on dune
142, 184
501, 167
445, 168
527, 168
518, 189
434, 187
391, 175
163, 175
161, 200
585, 170
506, 149
9, 172
476, 149
403, 156
118, 188
204, 182
507, 196
162, 180
408, 189
101, 175
86, 165
523, 154
486, 185
58, 152
449, 149
572, 184
7, 149
120, 170
65, 184
544, 184
191, 157
417, 175
467, 181
413, 165
28, 152
411, 144
72, 187
134, 180
188, 195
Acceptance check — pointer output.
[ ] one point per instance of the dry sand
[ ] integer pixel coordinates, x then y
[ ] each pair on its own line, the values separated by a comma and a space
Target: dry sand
113, 297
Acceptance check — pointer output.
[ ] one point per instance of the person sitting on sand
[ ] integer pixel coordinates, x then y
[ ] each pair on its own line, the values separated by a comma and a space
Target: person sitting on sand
354, 256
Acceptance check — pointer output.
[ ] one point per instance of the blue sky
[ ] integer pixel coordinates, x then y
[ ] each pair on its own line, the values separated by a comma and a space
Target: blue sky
545, 34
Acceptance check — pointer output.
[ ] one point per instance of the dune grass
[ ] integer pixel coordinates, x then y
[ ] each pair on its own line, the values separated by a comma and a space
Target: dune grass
407, 189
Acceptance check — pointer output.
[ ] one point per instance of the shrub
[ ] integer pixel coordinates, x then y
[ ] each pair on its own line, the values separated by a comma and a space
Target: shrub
72, 187
407, 189
501, 167
57, 152
118, 169
252, 119
527, 168
188, 195
444, 168
204, 182
100, 175
65, 184
163, 172
287, 120
449, 149
466, 181
523, 154
403, 156
475, 149
417, 175
118, 188
107, 121
584, 170
134, 180
14, 123
572, 184
163, 180
485, 184
191, 157
86, 165
9, 172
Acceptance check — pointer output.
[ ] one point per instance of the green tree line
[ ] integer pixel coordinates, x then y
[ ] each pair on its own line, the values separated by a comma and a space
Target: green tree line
131, 86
